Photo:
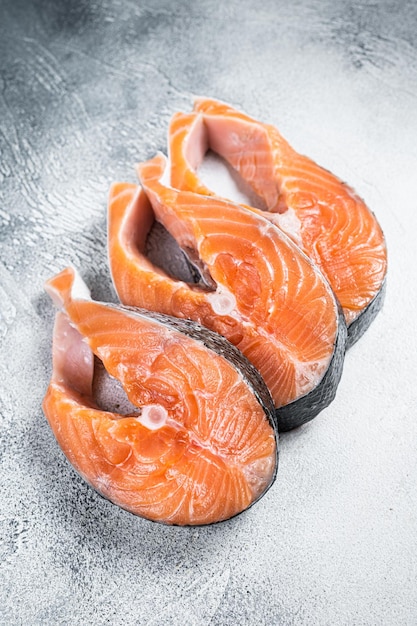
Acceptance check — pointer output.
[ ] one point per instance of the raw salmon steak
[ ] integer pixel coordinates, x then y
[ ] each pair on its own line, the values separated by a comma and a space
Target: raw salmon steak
253, 286
199, 445
321, 214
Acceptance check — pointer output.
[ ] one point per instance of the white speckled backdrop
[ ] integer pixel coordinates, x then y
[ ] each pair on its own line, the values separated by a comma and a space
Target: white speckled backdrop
86, 90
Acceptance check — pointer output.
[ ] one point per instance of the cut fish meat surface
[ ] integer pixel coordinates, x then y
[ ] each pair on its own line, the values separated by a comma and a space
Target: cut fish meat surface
201, 445
257, 288
322, 215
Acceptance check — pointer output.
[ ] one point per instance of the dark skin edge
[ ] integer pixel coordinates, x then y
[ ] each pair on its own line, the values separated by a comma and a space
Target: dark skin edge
362, 323
309, 406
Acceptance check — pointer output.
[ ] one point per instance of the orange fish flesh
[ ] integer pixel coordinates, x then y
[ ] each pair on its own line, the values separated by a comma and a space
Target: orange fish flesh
322, 215
258, 289
200, 445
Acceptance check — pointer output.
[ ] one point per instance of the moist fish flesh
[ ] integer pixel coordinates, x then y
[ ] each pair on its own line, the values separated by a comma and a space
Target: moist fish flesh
200, 445
321, 214
257, 288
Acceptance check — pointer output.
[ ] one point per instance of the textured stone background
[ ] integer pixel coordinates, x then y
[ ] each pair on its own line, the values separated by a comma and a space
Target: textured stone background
86, 90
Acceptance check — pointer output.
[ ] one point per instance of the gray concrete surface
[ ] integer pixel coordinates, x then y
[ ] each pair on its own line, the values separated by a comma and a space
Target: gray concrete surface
86, 90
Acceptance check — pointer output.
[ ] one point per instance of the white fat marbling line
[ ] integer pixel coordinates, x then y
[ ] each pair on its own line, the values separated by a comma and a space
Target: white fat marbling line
289, 223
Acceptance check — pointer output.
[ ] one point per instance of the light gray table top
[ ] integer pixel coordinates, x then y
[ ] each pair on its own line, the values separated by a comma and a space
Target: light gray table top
87, 90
